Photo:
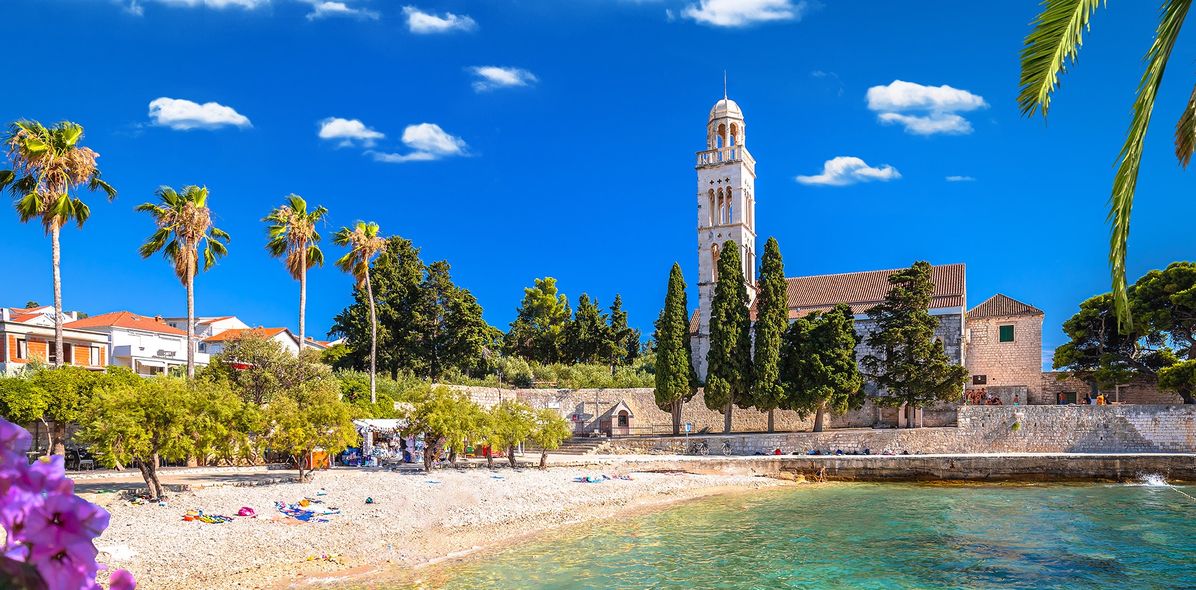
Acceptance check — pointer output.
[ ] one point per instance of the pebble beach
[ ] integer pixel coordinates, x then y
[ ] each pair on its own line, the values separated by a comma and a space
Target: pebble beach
414, 519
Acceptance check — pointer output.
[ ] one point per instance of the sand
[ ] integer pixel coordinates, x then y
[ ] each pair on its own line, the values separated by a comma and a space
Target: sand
417, 519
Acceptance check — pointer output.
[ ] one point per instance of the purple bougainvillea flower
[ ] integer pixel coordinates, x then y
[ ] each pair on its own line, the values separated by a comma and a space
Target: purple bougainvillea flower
122, 580
63, 520
49, 475
14, 439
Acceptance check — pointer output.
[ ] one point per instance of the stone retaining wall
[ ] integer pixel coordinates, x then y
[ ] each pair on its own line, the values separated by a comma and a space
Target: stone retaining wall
982, 429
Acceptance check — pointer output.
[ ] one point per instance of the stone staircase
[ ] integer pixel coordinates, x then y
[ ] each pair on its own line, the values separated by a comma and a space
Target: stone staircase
583, 446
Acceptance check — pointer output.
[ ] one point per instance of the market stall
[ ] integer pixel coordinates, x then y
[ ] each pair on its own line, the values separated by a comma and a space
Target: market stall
382, 441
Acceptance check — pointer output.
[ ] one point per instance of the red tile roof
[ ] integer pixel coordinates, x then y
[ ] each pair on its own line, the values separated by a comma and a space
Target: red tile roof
1001, 306
124, 319
235, 333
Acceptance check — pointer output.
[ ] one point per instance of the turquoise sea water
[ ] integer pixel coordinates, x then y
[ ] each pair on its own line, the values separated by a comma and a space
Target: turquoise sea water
870, 536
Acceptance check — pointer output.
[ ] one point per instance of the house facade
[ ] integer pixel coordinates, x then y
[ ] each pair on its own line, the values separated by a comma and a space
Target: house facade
27, 336
147, 345
283, 336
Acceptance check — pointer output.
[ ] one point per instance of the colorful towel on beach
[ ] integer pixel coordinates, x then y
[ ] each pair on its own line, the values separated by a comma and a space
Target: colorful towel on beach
309, 514
207, 518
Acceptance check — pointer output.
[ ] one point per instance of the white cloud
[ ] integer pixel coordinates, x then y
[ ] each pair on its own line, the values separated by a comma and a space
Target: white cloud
492, 77
247, 4
326, 9
427, 142
425, 22
924, 110
348, 132
742, 13
845, 170
960, 179
184, 115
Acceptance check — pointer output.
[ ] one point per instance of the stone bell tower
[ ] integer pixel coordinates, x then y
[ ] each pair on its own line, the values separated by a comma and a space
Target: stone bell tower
726, 211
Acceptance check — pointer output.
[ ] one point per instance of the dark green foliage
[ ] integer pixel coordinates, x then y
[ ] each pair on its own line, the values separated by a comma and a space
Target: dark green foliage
772, 317
676, 381
729, 362
426, 324
909, 365
1180, 378
818, 365
587, 338
538, 330
1164, 306
624, 344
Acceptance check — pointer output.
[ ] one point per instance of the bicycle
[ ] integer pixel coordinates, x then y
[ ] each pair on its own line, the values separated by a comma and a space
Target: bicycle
699, 448
726, 449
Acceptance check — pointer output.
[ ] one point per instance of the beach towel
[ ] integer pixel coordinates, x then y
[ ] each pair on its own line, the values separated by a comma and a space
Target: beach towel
305, 515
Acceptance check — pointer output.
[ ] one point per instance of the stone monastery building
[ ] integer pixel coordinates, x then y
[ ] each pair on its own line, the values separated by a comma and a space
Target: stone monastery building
999, 341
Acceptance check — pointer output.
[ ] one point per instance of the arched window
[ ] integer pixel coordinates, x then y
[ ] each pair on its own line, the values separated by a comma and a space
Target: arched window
722, 135
734, 134
730, 207
721, 204
714, 262
711, 207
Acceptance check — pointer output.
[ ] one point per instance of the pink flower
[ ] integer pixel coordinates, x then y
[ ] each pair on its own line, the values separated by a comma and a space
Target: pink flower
61, 572
122, 580
61, 521
48, 475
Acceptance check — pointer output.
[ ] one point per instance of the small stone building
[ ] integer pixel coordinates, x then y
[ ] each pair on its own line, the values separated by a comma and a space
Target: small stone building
1004, 351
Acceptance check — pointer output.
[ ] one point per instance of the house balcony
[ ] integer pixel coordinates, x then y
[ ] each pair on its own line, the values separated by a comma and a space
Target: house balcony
718, 156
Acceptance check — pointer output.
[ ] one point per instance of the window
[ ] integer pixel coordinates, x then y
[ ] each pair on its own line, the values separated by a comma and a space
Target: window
1006, 334
94, 357
22, 351
979, 379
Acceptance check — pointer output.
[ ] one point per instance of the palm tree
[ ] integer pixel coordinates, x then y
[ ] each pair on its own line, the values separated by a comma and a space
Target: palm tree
47, 163
293, 237
184, 225
1049, 49
364, 243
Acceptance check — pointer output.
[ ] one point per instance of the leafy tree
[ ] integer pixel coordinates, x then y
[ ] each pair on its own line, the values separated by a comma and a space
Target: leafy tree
293, 237
141, 423
536, 334
818, 365
586, 339
364, 243
1049, 49
772, 318
47, 165
259, 369
32, 304
676, 382
184, 224
448, 419
1164, 304
512, 370
307, 418
623, 346
908, 363
1180, 378
1103, 356
549, 432
729, 361
337, 356
512, 423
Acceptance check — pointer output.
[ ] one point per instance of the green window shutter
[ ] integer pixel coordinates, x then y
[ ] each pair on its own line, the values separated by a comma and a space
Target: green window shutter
1006, 333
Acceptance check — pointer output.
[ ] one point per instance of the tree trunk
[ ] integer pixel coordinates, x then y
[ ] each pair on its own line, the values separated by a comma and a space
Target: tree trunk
369, 292
154, 476
299, 463
511, 455
58, 438
302, 300
429, 452
453, 458
490, 457
819, 416
727, 418
145, 474
543, 458
676, 411
771, 420
191, 321
56, 256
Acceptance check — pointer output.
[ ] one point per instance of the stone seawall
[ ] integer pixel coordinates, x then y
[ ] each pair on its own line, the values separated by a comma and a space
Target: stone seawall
982, 429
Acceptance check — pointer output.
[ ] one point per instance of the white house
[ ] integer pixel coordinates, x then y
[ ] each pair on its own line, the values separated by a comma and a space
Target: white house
208, 326
148, 345
284, 337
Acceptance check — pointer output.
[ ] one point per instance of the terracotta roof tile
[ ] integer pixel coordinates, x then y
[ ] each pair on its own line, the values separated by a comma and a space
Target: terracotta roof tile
235, 333
124, 319
863, 290
1001, 306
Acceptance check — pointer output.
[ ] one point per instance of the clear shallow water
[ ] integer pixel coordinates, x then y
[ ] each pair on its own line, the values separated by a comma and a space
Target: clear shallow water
871, 536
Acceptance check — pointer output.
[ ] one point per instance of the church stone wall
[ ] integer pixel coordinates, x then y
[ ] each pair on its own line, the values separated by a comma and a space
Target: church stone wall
1006, 365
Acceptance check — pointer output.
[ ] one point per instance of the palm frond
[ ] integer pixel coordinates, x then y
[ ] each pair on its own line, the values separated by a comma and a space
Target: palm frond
7, 178
220, 234
155, 243
1049, 48
1185, 132
80, 211
1125, 182
315, 256
28, 207
96, 183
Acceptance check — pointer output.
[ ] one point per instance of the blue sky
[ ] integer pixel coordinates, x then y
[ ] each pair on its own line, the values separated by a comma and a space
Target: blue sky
572, 156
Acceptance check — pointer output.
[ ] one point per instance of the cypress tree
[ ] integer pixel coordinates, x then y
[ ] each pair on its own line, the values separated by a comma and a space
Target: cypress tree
676, 381
909, 364
729, 362
819, 367
772, 317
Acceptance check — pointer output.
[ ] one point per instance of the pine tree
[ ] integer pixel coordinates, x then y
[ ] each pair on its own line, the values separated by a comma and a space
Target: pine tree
586, 337
729, 361
909, 365
536, 334
623, 343
772, 317
676, 382
818, 365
